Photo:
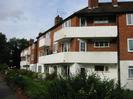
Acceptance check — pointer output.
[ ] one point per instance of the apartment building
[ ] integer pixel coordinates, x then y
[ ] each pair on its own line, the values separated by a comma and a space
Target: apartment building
29, 57
96, 39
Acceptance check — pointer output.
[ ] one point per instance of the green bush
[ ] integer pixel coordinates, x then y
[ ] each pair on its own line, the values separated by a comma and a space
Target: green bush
79, 87
3, 68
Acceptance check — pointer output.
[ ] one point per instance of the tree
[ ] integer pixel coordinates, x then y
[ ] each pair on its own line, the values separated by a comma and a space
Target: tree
16, 46
4, 50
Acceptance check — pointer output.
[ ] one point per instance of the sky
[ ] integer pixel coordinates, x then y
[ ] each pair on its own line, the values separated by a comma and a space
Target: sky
26, 18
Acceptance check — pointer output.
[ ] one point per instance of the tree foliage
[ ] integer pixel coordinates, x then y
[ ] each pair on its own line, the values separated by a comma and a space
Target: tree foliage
4, 49
16, 46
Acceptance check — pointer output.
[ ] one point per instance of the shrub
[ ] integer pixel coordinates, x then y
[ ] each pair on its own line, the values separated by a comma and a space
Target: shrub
79, 87
3, 68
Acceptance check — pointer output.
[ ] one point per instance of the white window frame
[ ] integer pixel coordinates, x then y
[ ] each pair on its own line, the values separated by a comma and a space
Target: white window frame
105, 68
129, 74
85, 22
82, 41
128, 44
39, 69
96, 21
131, 19
95, 46
67, 23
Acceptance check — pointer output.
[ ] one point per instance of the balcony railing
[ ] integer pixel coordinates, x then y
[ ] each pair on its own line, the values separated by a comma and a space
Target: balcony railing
86, 32
44, 42
79, 57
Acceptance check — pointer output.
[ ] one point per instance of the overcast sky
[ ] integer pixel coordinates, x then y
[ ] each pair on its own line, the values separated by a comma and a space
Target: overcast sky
26, 18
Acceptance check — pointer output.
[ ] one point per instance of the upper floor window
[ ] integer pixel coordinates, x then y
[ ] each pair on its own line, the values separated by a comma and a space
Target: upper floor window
101, 20
101, 44
67, 24
55, 47
82, 46
129, 19
83, 22
130, 71
130, 45
65, 46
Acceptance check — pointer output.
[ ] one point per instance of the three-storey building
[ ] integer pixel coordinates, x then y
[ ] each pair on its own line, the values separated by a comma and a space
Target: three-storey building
97, 39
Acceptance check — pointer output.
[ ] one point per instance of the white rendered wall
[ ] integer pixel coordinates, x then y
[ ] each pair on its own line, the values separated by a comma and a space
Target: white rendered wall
125, 81
111, 74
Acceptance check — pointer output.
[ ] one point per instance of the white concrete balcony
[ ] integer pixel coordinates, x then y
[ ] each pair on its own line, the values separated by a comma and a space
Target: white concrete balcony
22, 63
86, 32
79, 57
44, 42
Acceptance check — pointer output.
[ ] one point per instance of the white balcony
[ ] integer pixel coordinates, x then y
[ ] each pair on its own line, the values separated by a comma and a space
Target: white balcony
22, 63
86, 32
44, 42
79, 57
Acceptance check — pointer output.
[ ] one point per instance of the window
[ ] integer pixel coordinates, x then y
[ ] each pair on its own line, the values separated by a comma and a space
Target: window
67, 24
55, 69
39, 69
130, 45
65, 71
129, 19
83, 22
101, 68
65, 46
55, 47
101, 20
46, 69
130, 71
101, 44
82, 46
82, 71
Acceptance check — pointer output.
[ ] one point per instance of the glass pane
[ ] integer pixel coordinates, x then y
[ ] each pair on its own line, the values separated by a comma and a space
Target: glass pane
82, 46
130, 73
131, 45
99, 68
129, 19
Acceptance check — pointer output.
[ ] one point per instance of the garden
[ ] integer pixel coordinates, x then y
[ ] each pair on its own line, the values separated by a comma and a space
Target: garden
34, 86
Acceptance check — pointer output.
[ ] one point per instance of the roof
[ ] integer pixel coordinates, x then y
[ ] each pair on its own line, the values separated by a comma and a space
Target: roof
103, 8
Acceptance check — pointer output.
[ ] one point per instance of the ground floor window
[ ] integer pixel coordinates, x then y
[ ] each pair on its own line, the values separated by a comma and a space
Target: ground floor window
101, 68
55, 69
130, 71
46, 69
39, 69
82, 71
65, 71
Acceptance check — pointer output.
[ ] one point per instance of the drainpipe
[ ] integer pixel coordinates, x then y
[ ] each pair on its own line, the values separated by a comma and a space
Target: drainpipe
118, 53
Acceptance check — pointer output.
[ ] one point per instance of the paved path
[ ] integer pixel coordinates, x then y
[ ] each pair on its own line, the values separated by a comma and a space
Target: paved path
5, 91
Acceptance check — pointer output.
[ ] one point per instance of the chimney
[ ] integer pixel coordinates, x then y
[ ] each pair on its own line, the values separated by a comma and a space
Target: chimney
115, 3
58, 19
92, 4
